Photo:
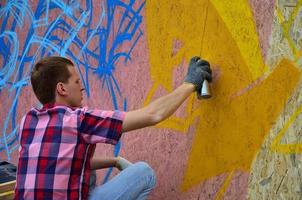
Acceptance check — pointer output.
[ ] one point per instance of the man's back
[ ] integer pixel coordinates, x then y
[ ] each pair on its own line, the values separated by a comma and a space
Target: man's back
56, 145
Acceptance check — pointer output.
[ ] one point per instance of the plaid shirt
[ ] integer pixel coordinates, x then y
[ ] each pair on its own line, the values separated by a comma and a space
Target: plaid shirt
56, 146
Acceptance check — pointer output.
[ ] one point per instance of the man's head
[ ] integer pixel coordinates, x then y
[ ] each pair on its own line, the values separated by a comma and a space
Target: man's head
55, 80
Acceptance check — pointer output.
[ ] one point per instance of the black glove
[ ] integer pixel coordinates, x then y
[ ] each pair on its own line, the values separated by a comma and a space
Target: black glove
199, 70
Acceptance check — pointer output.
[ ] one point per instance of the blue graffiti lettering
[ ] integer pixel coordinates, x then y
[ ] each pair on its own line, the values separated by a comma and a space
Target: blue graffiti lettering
91, 38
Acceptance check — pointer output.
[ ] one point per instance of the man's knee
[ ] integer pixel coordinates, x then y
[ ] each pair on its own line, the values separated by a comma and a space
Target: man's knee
145, 169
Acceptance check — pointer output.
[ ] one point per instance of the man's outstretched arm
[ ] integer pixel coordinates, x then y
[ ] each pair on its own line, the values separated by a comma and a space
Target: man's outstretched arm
158, 110
165, 106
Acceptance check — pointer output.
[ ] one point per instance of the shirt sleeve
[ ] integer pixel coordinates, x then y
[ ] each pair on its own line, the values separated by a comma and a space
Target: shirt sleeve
99, 126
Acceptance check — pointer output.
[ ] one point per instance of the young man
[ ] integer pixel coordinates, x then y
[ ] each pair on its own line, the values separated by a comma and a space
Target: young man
57, 142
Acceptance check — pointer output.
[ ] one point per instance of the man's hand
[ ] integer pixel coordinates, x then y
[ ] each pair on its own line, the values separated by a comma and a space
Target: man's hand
199, 70
101, 163
122, 163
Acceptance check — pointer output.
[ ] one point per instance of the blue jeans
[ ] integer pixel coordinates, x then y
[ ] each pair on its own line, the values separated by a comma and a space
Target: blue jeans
133, 183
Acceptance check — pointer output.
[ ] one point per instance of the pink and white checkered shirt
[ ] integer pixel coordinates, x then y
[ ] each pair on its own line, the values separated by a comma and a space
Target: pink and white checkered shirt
56, 145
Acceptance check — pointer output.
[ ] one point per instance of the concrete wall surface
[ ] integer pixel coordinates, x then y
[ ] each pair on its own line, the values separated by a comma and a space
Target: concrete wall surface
243, 143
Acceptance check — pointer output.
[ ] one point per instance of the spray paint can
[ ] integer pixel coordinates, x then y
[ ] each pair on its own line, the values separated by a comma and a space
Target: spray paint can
205, 92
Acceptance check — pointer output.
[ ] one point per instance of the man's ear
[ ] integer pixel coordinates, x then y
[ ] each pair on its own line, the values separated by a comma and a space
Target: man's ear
61, 89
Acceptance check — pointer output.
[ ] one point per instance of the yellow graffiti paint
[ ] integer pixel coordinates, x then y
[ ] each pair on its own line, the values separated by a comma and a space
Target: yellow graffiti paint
287, 148
274, 166
286, 27
232, 124
224, 187
239, 20
232, 135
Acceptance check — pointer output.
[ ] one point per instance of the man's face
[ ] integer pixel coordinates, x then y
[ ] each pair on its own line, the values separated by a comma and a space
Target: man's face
74, 89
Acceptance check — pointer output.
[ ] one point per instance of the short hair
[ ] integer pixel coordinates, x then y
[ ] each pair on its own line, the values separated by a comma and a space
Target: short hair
46, 74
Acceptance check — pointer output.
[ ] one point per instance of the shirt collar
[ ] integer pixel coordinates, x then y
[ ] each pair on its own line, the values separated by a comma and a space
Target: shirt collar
48, 106
52, 105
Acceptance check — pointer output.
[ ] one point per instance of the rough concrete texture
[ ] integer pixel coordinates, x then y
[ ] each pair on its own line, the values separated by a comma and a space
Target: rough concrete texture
243, 143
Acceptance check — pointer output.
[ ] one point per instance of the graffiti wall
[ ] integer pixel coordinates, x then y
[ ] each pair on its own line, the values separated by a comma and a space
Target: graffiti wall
243, 143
